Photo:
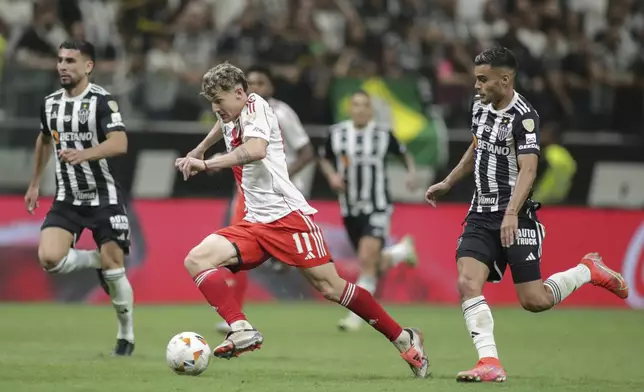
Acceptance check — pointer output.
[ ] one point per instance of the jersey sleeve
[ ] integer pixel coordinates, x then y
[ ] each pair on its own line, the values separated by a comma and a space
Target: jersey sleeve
255, 119
294, 133
44, 127
326, 150
395, 147
108, 115
526, 134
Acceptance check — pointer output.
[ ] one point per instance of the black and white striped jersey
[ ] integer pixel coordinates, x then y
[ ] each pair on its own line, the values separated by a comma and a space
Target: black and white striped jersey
360, 157
500, 136
80, 123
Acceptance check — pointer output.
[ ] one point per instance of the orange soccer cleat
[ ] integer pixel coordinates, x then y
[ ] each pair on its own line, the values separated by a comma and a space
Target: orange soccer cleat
602, 276
486, 370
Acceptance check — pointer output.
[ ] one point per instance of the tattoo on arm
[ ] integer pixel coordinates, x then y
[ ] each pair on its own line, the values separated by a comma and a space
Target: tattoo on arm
242, 155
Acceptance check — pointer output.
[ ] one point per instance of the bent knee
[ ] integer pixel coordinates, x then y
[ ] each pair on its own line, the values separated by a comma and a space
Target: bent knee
469, 286
195, 262
536, 304
49, 259
212, 252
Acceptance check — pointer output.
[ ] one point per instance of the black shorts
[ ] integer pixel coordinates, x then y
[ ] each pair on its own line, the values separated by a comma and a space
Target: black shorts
107, 223
484, 244
372, 225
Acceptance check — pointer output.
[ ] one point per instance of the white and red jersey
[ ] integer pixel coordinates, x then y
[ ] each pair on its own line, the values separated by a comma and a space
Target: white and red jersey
268, 192
295, 137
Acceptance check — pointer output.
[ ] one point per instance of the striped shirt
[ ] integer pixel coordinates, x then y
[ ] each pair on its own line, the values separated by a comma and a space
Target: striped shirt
500, 136
359, 156
82, 122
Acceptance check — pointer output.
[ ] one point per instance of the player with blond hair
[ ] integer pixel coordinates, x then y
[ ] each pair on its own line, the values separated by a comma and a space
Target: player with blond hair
278, 223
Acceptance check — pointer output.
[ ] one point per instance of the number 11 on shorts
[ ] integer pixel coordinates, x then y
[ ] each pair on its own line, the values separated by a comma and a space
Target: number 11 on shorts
303, 238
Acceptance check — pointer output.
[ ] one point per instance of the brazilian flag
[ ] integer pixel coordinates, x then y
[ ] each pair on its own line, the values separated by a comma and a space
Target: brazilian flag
397, 103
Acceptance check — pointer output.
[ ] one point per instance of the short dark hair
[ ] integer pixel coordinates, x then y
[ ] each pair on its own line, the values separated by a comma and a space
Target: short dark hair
261, 69
86, 48
498, 56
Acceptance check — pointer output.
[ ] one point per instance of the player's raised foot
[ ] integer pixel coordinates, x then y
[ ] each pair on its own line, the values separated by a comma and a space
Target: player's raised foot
486, 370
602, 276
238, 342
350, 323
222, 327
412, 258
415, 354
123, 348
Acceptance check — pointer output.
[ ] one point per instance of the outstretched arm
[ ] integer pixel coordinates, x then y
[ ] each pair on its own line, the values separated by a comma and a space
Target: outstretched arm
42, 152
212, 138
253, 149
464, 167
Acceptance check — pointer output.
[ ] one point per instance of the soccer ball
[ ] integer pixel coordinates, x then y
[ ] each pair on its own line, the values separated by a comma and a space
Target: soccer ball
188, 354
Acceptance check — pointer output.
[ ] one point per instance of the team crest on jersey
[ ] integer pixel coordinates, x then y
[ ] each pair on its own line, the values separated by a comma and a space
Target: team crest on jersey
83, 114
113, 105
505, 127
528, 124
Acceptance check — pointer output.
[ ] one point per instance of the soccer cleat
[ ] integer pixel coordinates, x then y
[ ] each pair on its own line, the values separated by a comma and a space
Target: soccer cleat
124, 348
412, 259
239, 342
486, 370
415, 354
602, 276
350, 323
222, 327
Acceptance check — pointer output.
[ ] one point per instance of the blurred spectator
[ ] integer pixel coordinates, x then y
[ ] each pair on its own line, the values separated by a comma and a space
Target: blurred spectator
38, 45
491, 26
581, 61
164, 70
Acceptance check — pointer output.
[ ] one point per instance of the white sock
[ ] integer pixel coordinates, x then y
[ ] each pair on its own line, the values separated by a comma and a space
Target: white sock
403, 341
122, 299
368, 283
77, 260
480, 325
562, 284
240, 324
398, 253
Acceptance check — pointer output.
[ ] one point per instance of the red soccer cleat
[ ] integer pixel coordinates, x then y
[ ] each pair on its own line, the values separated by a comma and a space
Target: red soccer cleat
602, 276
486, 370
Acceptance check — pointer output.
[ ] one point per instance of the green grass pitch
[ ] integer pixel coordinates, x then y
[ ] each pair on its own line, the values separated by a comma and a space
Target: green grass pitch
63, 348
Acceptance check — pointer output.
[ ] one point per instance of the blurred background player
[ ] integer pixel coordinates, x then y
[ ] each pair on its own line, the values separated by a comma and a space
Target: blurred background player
279, 223
501, 227
354, 161
557, 168
82, 124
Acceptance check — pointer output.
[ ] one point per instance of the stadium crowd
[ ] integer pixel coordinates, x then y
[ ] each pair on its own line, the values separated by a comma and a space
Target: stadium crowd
582, 61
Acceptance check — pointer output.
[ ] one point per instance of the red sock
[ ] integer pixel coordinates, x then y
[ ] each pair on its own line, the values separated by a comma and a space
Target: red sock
360, 302
212, 284
241, 283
